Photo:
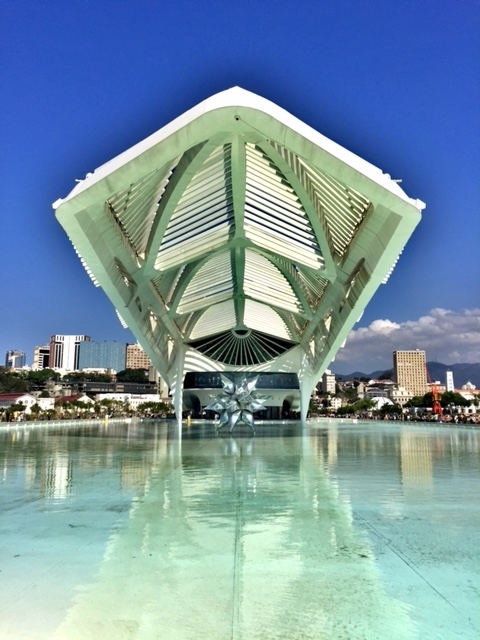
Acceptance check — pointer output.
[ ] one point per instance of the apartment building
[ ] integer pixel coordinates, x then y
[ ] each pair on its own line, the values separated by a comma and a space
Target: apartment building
410, 371
137, 358
41, 357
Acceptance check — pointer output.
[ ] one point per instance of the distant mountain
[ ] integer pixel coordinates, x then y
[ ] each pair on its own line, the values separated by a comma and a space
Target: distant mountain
375, 375
462, 373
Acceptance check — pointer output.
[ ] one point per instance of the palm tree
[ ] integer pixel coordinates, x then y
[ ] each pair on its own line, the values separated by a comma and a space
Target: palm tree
36, 410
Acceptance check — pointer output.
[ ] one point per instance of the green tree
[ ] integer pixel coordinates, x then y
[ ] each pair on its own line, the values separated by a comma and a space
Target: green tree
345, 410
364, 405
314, 406
450, 397
155, 408
133, 375
349, 393
113, 407
35, 411
416, 401
16, 408
42, 376
389, 409
12, 382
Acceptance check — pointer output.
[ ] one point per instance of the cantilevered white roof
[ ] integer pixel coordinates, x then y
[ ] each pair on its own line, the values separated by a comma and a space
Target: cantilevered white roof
240, 234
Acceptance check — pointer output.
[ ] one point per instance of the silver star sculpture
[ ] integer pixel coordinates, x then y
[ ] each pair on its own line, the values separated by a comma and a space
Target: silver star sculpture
237, 403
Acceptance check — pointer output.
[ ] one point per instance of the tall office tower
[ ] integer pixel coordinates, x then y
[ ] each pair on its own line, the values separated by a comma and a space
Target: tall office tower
410, 371
65, 351
15, 359
449, 381
328, 382
41, 357
103, 355
137, 358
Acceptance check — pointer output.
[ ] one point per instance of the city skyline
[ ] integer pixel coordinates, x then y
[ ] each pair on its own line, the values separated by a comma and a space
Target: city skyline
79, 352
370, 336
403, 95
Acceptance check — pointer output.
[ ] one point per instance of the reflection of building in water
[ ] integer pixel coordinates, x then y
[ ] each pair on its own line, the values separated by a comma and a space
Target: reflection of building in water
415, 460
324, 442
57, 479
134, 474
135, 471
30, 472
332, 446
237, 538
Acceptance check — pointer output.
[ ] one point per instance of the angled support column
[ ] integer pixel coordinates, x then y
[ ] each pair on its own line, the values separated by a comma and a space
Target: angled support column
305, 393
177, 382
307, 380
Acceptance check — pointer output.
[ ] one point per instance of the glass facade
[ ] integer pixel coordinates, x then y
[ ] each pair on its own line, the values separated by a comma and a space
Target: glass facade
102, 355
212, 380
15, 359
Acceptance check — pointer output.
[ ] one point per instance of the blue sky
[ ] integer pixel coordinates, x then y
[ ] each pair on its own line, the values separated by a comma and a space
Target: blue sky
397, 83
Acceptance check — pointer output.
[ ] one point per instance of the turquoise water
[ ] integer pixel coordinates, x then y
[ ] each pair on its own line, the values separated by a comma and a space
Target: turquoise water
328, 531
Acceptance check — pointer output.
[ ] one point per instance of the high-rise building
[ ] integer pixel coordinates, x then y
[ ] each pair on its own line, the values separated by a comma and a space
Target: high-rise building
41, 357
65, 351
102, 355
328, 382
449, 386
15, 359
410, 371
137, 358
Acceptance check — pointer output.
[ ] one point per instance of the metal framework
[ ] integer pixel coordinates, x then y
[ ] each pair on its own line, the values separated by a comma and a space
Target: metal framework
238, 238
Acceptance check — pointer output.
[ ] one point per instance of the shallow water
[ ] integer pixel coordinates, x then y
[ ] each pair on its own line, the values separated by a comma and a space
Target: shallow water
328, 531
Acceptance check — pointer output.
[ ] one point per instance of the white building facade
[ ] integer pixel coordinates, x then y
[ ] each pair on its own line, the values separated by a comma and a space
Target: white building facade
449, 385
65, 352
41, 357
238, 239
133, 399
328, 382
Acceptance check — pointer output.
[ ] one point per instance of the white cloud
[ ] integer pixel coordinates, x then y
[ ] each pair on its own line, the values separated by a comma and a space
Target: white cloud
446, 336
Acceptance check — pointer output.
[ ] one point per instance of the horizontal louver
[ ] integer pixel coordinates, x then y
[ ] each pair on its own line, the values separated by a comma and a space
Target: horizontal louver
204, 214
274, 217
135, 206
210, 285
340, 208
219, 317
166, 282
265, 282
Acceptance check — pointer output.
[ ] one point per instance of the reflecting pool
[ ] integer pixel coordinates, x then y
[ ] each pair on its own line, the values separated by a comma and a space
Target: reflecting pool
329, 531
